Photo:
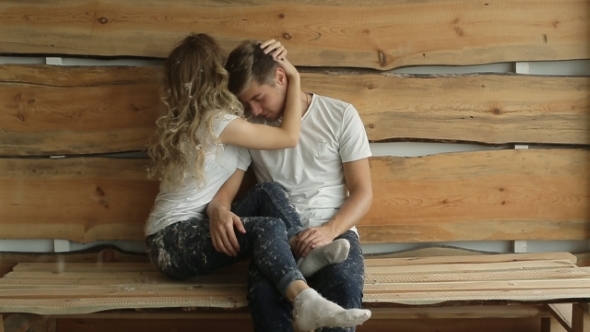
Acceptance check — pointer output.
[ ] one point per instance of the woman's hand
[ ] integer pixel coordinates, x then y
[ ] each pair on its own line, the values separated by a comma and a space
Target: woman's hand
275, 48
221, 226
279, 54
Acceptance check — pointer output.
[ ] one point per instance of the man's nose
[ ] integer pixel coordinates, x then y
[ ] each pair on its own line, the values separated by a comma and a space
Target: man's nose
256, 110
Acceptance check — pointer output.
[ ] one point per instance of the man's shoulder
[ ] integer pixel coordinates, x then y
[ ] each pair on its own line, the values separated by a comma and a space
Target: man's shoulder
338, 110
333, 103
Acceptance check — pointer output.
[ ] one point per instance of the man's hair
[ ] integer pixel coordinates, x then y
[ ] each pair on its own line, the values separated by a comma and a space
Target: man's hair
248, 62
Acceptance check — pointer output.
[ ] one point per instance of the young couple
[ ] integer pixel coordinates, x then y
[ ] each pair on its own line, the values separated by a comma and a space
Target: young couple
310, 156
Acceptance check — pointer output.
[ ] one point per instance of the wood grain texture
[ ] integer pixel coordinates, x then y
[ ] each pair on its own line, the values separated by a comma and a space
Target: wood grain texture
50, 110
47, 110
245, 325
377, 34
492, 195
490, 109
80, 199
37, 288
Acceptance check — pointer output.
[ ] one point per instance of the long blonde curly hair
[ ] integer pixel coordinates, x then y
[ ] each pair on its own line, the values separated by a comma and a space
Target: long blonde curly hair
194, 92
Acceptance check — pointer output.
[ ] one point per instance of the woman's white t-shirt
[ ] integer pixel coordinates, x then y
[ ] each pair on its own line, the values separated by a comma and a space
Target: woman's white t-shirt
190, 198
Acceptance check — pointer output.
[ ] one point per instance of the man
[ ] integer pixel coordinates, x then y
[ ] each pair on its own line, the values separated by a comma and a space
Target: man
327, 176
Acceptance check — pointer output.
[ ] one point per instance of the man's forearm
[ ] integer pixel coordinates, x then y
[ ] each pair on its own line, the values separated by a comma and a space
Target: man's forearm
352, 211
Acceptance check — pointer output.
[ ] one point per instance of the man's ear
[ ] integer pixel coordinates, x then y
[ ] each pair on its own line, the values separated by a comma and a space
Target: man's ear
280, 76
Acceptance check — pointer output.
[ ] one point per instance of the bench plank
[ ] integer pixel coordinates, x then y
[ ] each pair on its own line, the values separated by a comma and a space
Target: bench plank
532, 274
62, 267
42, 279
488, 267
228, 290
113, 109
81, 267
379, 261
374, 265
387, 34
459, 324
43, 295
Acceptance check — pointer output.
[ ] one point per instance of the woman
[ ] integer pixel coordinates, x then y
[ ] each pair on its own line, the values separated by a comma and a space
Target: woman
199, 146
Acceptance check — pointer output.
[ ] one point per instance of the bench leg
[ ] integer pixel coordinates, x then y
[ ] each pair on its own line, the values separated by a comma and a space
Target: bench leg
580, 318
545, 324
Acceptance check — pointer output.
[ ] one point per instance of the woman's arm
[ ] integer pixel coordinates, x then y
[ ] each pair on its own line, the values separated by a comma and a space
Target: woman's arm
221, 220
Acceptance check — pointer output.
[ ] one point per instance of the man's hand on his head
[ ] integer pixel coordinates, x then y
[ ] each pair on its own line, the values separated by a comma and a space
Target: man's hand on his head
221, 226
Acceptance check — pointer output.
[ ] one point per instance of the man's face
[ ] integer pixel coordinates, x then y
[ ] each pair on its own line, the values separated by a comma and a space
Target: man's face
263, 100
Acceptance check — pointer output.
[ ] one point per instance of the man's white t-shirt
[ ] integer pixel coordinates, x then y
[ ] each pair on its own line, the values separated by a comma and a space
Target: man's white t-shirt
332, 133
190, 198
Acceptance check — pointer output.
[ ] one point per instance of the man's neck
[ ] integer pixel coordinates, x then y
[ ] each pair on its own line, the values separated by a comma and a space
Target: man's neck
305, 102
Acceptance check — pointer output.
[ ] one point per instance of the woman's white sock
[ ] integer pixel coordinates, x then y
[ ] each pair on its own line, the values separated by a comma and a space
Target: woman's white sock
331, 253
312, 311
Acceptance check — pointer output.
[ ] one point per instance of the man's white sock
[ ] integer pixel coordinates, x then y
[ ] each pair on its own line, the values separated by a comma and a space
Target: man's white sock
312, 311
318, 258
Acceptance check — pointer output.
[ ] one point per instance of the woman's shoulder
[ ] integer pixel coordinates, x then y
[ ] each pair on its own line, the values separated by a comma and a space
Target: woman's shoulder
212, 125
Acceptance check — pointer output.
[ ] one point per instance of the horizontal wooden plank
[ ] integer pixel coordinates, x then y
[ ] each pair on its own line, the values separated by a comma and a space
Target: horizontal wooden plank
376, 261
92, 292
487, 267
124, 270
85, 267
464, 312
489, 296
82, 277
451, 276
229, 291
245, 325
385, 34
226, 291
47, 110
374, 275
490, 195
53, 110
395, 288
89, 305
492, 109
79, 199
493, 195
42, 279
562, 258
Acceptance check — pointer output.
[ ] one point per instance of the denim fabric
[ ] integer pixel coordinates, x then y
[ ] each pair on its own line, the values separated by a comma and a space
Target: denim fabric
269, 199
184, 249
341, 283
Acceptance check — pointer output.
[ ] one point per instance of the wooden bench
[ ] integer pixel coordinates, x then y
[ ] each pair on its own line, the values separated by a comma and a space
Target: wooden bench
87, 113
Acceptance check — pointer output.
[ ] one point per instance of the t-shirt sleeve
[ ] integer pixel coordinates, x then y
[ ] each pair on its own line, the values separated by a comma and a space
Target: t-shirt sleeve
354, 144
220, 122
244, 159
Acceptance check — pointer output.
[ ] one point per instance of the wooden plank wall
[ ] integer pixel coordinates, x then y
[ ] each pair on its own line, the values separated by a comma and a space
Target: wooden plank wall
495, 195
382, 34
113, 109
